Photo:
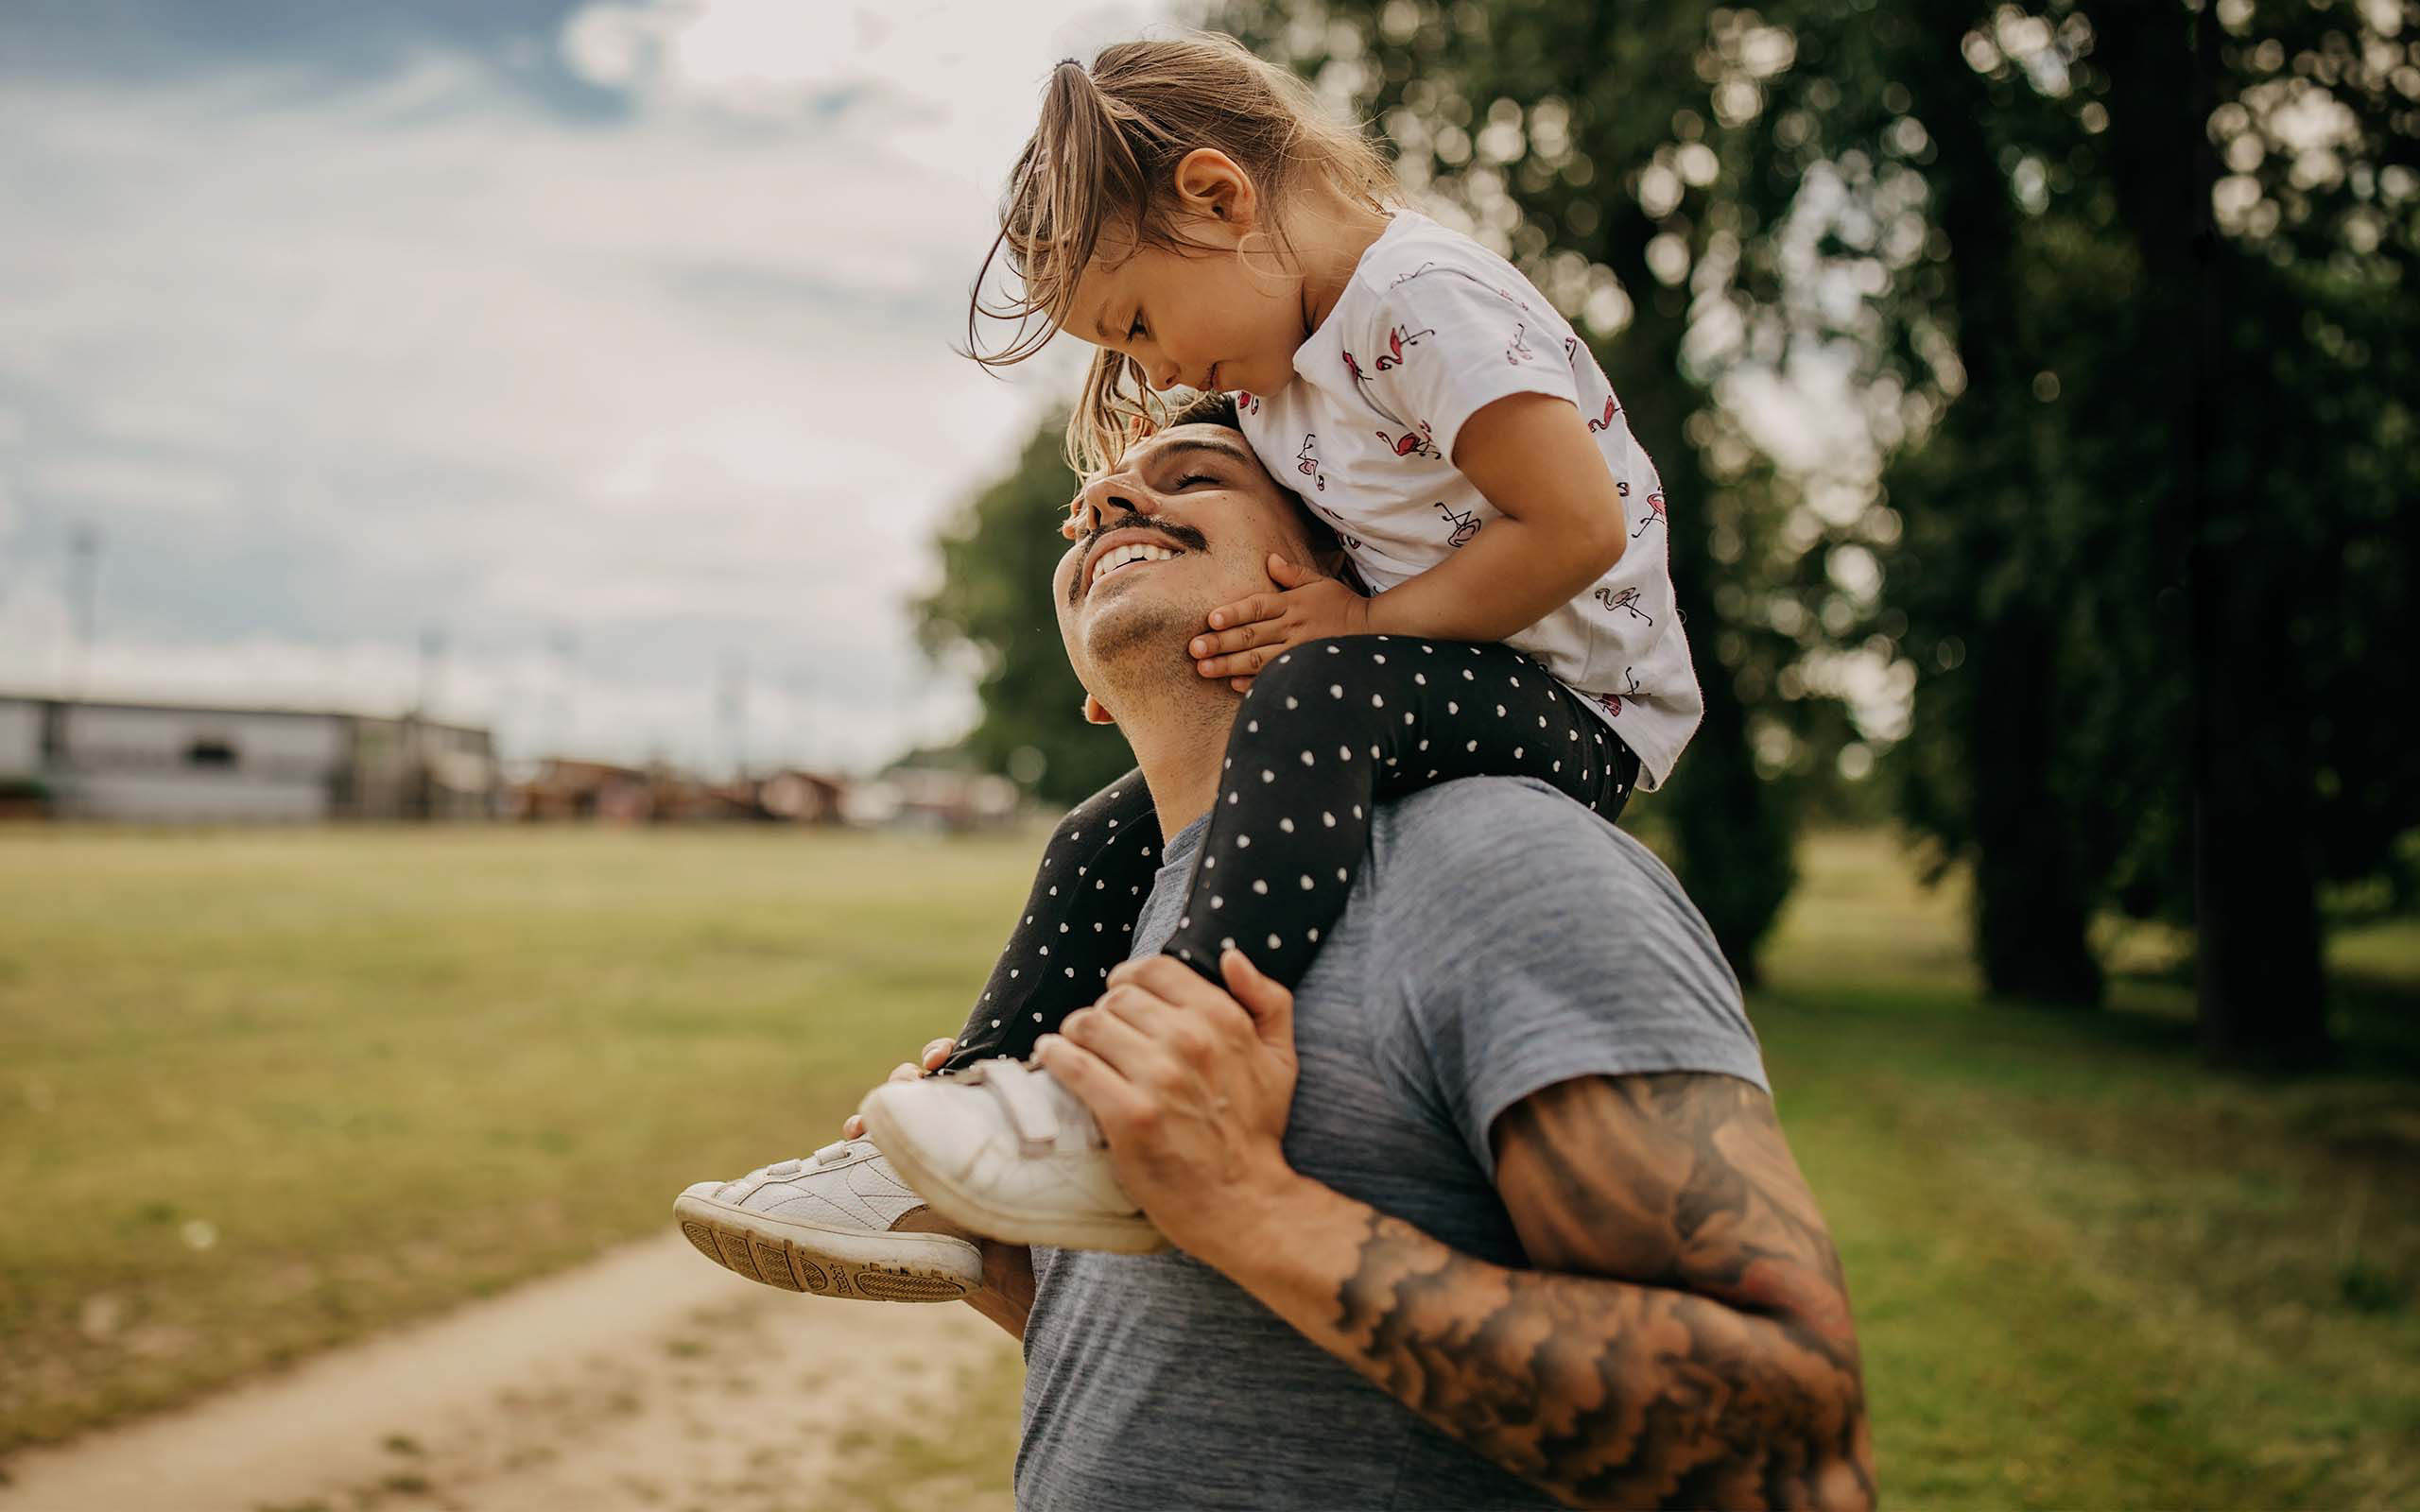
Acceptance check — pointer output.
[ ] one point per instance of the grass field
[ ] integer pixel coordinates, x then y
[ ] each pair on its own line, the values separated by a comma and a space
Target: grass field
261, 1092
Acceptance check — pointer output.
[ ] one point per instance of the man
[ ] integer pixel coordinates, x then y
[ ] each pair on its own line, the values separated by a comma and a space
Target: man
1508, 1157
1493, 1211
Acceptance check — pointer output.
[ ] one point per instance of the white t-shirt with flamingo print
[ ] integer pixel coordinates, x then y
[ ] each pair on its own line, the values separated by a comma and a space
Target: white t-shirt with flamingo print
1431, 328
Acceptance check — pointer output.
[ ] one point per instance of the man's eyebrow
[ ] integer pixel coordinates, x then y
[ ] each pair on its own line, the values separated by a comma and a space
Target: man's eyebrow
1226, 449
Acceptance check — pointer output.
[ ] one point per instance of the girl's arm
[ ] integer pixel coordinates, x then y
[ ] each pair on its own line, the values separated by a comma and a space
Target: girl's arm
1562, 529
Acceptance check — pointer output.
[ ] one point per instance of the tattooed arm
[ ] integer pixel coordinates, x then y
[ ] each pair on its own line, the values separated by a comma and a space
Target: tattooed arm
1685, 1340
1696, 1347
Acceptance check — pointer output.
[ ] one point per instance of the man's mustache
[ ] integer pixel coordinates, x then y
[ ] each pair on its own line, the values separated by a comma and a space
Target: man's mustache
1185, 536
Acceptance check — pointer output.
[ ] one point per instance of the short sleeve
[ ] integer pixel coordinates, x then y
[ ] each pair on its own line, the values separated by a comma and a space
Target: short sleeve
1445, 342
1534, 943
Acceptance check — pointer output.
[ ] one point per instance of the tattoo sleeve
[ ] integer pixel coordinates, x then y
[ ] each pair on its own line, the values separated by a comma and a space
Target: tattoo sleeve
1687, 1339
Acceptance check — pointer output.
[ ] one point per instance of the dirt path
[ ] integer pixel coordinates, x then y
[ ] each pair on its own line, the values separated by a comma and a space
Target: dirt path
647, 1379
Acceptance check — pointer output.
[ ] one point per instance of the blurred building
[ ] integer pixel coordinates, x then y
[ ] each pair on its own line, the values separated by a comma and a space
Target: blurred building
932, 797
565, 788
802, 798
179, 763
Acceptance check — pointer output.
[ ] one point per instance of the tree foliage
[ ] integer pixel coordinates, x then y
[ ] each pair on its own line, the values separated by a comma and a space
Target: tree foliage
2139, 280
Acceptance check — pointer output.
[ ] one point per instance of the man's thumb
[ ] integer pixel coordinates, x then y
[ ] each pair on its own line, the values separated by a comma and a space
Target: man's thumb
1264, 997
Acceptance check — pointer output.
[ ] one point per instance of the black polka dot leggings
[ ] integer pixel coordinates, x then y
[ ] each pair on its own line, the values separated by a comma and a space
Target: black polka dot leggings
1329, 731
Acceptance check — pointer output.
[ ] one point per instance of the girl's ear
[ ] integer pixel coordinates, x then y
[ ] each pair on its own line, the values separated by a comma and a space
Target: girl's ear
1212, 185
1097, 712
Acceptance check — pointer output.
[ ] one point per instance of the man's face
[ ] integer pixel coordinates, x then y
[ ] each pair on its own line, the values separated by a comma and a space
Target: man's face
1185, 523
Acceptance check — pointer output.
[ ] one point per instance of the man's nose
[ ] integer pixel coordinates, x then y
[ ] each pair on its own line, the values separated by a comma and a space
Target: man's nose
1115, 493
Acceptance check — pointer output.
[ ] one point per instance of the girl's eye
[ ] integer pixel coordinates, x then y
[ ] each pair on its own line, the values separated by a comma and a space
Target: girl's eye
1134, 332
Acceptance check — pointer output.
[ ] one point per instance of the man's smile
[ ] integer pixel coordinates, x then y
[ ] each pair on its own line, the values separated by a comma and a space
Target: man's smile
1126, 555
1136, 539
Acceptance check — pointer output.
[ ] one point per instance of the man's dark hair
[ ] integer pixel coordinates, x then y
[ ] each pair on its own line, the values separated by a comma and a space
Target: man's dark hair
1208, 409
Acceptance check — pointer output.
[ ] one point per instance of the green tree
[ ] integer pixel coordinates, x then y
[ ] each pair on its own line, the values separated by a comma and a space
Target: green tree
993, 612
2139, 280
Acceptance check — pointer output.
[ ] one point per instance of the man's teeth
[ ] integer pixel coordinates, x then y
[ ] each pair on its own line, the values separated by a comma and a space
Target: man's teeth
1131, 551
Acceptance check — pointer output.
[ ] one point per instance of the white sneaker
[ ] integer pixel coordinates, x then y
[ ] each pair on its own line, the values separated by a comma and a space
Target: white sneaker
1003, 1149
826, 1225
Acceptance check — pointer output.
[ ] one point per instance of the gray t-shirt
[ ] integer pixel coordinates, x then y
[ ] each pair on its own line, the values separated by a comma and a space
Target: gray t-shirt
1499, 939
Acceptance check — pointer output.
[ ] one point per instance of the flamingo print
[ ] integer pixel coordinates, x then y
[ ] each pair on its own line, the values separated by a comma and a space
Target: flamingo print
1626, 600
1411, 443
1654, 515
1397, 339
1612, 701
1465, 524
1306, 461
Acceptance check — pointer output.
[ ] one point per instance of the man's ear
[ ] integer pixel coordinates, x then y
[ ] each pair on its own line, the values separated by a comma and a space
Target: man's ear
1214, 186
1097, 712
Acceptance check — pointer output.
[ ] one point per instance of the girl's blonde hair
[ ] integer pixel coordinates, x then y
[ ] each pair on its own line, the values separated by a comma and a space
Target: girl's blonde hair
1104, 157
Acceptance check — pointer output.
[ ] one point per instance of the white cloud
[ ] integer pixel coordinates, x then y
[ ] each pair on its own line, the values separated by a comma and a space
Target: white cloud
678, 384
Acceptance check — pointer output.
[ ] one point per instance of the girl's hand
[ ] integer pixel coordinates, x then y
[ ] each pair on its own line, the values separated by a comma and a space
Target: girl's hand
1252, 632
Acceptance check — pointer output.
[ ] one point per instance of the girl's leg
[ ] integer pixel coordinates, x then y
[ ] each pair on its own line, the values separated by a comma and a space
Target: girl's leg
1078, 922
1331, 729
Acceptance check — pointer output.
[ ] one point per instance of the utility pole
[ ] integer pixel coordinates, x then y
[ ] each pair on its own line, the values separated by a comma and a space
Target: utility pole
83, 588
564, 649
734, 712
432, 667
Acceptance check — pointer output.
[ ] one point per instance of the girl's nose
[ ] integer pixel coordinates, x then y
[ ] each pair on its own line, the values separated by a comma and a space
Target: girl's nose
1163, 377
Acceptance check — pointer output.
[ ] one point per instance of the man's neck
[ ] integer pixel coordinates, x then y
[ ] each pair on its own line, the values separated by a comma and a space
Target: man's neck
1178, 727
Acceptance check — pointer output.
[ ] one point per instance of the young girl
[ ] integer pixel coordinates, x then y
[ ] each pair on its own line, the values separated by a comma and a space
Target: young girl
1189, 210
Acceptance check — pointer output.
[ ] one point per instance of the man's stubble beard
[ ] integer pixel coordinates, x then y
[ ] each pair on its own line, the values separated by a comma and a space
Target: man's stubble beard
1138, 655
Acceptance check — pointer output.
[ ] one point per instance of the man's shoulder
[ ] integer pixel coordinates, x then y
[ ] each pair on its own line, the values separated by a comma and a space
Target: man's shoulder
1475, 830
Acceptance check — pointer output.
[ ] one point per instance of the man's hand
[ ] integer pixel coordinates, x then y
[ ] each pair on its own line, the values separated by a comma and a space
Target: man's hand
1250, 633
1191, 1087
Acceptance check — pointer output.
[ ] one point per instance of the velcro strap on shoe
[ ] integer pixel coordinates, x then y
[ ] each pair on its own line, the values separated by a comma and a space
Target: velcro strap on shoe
1027, 1104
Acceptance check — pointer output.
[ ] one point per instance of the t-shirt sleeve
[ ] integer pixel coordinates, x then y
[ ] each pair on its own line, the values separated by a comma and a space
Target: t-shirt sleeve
1534, 943
1444, 343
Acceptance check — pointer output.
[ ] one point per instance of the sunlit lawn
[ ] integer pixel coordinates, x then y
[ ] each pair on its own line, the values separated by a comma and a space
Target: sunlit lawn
261, 1092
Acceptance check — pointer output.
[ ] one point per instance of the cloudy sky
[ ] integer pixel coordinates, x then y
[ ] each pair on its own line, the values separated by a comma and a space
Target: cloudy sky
607, 342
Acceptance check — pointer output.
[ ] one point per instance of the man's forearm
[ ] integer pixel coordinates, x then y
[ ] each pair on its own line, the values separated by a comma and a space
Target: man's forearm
1598, 1391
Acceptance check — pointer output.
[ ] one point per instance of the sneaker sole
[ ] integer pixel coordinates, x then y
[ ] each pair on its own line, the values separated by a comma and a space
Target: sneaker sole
860, 1268
1135, 1235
